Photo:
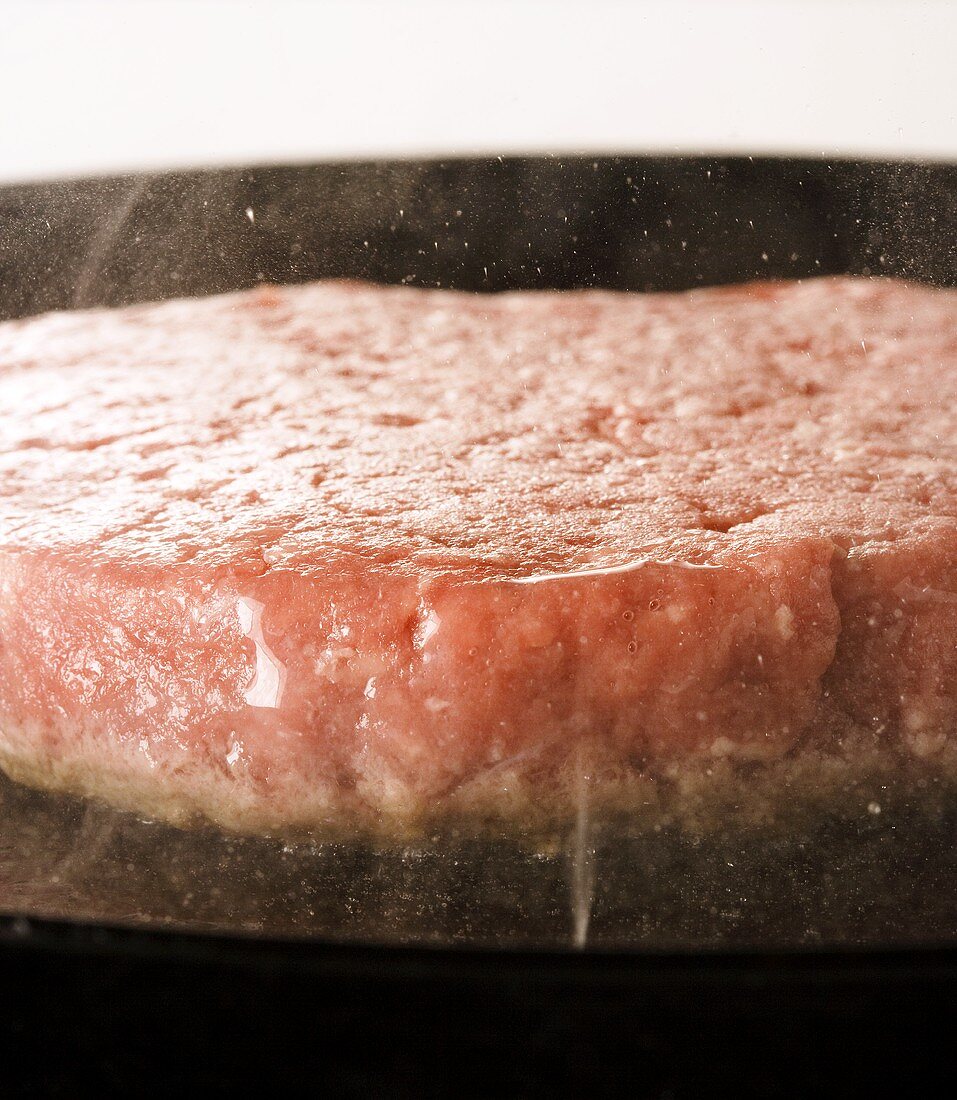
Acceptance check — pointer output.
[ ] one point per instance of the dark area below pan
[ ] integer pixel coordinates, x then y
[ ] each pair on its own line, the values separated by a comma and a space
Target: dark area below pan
144, 1013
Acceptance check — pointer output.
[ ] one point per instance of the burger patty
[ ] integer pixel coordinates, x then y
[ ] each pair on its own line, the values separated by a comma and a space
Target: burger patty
292, 558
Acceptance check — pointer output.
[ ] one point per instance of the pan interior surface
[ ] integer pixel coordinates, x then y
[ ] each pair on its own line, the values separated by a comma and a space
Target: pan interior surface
848, 876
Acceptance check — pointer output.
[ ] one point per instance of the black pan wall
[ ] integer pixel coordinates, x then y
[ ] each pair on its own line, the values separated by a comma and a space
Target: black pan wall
644, 223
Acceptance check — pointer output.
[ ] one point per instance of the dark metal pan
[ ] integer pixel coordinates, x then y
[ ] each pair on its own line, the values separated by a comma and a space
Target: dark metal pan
776, 977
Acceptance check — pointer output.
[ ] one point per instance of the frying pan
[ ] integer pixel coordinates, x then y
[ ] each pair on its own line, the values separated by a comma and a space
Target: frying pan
424, 974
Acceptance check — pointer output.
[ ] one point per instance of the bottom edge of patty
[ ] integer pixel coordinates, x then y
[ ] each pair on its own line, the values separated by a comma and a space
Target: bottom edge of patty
526, 799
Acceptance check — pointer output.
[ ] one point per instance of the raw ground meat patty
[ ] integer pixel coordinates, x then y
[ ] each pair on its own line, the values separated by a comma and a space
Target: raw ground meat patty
288, 558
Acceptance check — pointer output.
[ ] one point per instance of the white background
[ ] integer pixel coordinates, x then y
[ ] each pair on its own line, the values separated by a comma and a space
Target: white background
102, 85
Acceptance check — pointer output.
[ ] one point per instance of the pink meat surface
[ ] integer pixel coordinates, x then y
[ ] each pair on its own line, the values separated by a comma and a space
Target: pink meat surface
288, 557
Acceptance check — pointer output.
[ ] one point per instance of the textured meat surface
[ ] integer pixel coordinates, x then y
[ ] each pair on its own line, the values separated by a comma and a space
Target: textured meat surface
293, 555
